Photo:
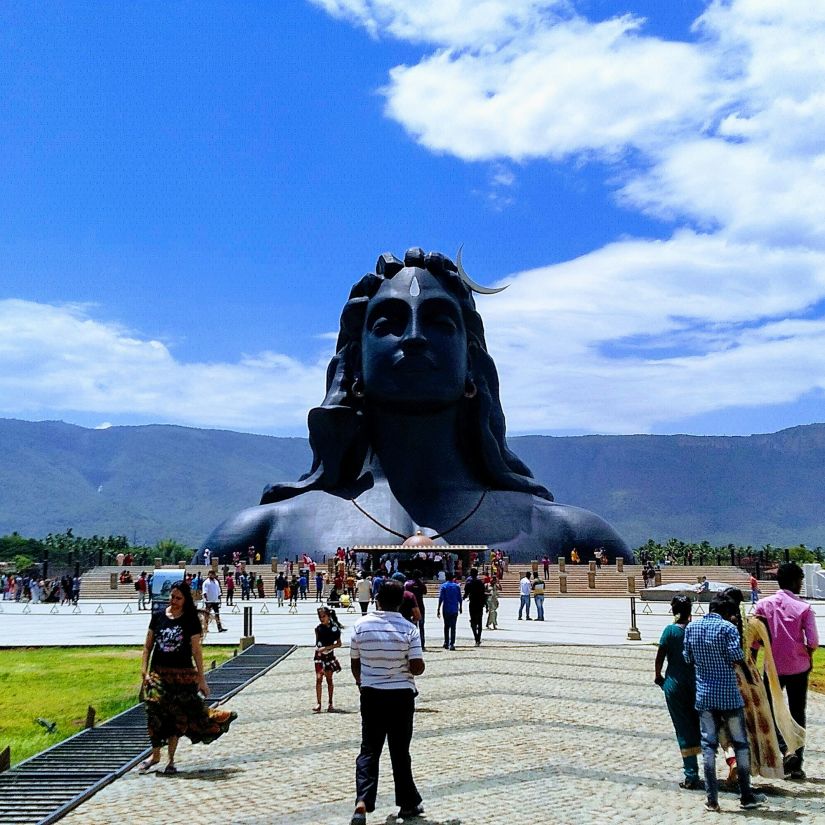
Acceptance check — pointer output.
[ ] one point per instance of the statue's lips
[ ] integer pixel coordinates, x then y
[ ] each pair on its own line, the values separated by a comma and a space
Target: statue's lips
414, 363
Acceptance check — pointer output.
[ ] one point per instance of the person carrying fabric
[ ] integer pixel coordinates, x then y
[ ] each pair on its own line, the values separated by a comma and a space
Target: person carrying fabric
679, 686
712, 644
173, 682
761, 726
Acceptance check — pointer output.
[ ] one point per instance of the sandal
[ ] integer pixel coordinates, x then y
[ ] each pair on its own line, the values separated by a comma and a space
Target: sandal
147, 765
330, 709
169, 770
316, 709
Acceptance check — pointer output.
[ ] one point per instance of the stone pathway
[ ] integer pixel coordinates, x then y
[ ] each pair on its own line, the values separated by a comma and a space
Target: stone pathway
507, 733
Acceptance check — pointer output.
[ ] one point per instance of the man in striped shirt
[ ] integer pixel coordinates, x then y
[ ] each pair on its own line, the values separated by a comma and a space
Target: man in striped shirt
385, 657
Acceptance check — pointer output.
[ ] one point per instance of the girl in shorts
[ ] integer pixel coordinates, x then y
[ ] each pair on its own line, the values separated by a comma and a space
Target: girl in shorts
327, 638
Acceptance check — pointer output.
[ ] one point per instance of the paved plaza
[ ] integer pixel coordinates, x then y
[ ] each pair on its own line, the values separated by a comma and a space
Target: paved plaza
505, 733
522, 730
586, 621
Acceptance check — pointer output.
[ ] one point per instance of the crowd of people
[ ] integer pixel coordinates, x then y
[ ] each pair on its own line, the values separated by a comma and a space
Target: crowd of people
34, 589
718, 691
718, 694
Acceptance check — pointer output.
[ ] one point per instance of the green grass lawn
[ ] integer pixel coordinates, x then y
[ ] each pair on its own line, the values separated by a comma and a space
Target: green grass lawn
817, 678
59, 683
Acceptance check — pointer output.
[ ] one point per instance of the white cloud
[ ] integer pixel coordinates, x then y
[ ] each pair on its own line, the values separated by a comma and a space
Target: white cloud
589, 344
573, 87
60, 358
721, 135
447, 22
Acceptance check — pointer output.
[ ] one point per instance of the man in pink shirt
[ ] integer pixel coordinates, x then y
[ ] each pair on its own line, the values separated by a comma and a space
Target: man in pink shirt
794, 637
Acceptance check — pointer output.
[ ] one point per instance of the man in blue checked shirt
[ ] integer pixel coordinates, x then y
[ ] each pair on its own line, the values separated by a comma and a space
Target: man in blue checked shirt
713, 646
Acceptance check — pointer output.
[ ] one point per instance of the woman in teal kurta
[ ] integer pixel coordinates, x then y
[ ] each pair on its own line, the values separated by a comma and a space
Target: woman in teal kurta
679, 686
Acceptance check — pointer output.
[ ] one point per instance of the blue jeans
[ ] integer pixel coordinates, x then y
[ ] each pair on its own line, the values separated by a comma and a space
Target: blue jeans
539, 607
449, 628
710, 722
525, 603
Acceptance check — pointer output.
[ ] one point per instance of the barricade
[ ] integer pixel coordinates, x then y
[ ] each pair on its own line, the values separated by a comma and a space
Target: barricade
633, 634
247, 640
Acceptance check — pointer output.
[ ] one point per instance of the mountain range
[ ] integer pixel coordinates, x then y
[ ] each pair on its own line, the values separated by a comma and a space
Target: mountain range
161, 481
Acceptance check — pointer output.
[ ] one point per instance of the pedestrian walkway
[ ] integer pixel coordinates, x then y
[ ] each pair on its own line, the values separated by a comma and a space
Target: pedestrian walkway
568, 621
504, 733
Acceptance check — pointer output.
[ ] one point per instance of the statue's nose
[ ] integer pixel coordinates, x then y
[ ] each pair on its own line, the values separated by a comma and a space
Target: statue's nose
414, 337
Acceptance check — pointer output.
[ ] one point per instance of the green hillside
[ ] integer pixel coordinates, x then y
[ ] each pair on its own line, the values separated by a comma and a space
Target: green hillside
158, 481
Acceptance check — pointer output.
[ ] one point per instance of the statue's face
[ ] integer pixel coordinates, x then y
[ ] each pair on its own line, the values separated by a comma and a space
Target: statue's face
414, 345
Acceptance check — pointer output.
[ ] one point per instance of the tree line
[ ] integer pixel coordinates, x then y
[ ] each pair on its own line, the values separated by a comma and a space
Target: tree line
765, 557
62, 552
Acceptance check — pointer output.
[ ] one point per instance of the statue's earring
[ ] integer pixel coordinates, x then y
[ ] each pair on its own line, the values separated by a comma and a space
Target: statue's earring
357, 387
470, 389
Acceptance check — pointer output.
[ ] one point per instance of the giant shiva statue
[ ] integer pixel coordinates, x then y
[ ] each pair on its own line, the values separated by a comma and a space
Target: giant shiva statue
411, 437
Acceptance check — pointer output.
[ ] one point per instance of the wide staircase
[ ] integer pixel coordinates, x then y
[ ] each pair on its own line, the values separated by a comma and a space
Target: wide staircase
608, 581
96, 584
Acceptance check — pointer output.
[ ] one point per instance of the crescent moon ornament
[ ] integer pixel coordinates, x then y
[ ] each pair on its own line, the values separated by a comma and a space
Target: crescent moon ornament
482, 290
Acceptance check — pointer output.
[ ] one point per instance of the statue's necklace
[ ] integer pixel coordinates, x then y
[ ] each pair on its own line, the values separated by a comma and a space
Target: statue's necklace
437, 535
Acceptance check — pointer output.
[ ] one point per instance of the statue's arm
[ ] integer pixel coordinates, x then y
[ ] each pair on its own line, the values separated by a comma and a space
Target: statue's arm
583, 529
247, 528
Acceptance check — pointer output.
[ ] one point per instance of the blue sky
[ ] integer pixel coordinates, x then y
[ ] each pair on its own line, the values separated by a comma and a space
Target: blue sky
188, 190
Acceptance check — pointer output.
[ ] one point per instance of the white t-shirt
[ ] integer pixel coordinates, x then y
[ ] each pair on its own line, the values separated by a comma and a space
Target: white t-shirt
525, 586
363, 590
211, 590
385, 642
